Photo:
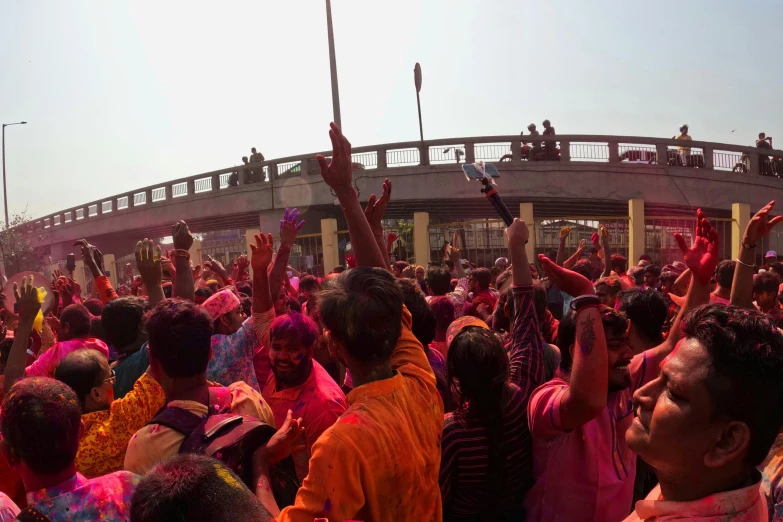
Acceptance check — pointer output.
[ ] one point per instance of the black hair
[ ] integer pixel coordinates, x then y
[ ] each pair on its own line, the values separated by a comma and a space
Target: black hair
768, 282
645, 257
478, 362
614, 323
777, 267
188, 487
180, 334
443, 309
5, 350
668, 277
339, 269
309, 284
204, 292
40, 421
439, 280
746, 362
95, 306
244, 287
483, 276
646, 310
78, 317
123, 321
619, 263
401, 265
724, 273
362, 309
423, 318
653, 269
81, 370
246, 303
584, 269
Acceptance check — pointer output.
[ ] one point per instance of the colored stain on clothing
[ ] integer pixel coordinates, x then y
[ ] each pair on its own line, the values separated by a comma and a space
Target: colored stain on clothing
80, 499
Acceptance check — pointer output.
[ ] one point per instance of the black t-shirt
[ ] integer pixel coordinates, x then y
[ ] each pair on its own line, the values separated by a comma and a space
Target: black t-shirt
764, 144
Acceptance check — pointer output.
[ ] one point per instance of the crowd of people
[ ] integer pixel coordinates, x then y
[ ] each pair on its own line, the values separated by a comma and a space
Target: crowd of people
562, 388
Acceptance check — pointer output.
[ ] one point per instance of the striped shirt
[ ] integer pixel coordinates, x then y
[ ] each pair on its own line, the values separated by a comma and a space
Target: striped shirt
464, 467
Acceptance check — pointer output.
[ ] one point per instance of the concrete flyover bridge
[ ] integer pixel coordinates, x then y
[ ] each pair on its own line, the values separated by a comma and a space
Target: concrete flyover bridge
577, 179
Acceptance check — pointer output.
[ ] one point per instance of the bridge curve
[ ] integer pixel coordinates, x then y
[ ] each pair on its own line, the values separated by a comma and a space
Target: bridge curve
589, 170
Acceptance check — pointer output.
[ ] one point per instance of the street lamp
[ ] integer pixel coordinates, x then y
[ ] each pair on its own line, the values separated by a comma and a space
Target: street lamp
417, 82
5, 189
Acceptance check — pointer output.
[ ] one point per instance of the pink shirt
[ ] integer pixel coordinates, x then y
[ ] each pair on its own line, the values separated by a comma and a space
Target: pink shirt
741, 505
587, 473
319, 402
718, 299
44, 366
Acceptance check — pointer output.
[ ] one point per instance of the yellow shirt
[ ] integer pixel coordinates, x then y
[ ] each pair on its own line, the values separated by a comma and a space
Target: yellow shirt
380, 461
154, 443
107, 432
685, 137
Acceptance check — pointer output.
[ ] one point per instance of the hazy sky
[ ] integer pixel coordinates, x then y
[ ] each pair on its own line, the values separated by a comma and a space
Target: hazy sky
123, 94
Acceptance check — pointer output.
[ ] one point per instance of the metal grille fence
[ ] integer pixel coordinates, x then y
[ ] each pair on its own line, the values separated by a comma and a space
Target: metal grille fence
492, 151
659, 241
481, 242
403, 157
369, 160
582, 228
447, 154
590, 151
307, 254
632, 153
731, 161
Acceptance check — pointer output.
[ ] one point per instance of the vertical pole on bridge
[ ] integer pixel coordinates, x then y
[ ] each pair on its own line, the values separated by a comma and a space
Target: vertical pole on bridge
421, 238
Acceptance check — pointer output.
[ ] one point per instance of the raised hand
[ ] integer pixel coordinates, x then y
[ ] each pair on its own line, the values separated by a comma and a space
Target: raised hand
569, 282
338, 173
702, 256
595, 240
242, 262
289, 227
92, 256
216, 266
27, 301
564, 232
283, 443
760, 225
183, 239
261, 253
148, 263
604, 231
376, 208
168, 266
517, 233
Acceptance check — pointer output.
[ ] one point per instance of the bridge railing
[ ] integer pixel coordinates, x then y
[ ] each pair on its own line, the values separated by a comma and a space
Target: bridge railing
641, 151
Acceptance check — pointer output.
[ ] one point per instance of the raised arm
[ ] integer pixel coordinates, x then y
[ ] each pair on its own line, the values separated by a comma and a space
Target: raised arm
338, 175
571, 261
148, 265
374, 212
526, 357
605, 248
758, 227
263, 304
29, 306
585, 397
564, 232
183, 280
93, 259
289, 228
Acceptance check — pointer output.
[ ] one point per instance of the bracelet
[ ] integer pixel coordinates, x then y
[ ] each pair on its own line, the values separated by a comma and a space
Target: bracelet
747, 246
179, 252
745, 264
577, 303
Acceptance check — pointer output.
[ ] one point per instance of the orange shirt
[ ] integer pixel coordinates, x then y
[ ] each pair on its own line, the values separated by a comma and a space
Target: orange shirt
380, 461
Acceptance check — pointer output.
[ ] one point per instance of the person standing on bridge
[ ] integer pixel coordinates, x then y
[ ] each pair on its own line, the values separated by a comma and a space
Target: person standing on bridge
549, 146
684, 152
536, 145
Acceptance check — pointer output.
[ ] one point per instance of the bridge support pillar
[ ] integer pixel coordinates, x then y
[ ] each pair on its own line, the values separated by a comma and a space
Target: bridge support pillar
635, 230
329, 244
740, 215
526, 215
421, 238
110, 265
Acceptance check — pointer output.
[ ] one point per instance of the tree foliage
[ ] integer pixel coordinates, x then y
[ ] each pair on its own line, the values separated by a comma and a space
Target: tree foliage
16, 246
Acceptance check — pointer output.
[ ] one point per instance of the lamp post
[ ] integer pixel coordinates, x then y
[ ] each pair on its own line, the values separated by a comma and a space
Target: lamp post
5, 189
333, 66
417, 81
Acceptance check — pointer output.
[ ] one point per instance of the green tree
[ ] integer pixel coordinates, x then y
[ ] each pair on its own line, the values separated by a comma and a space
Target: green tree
16, 246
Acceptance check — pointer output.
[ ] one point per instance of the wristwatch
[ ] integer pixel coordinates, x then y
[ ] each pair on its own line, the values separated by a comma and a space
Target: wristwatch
744, 244
577, 303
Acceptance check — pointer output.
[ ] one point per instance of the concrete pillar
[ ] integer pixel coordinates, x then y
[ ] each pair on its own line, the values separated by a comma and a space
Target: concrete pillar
526, 215
329, 243
421, 238
78, 275
636, 228
740, 215
109, 264
250, 239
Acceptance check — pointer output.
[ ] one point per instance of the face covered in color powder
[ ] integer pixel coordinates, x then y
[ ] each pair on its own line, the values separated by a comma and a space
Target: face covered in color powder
290, 361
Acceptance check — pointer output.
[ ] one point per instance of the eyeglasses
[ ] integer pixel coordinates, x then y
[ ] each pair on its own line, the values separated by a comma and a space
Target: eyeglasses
113, 376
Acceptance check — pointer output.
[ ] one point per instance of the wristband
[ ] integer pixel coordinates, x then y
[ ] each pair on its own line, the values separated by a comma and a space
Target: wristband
577, 303
747, 246
181, 253
745, 264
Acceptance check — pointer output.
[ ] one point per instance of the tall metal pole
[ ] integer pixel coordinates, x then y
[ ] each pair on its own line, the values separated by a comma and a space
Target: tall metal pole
418, 103
5, 190
333, 67
417, 83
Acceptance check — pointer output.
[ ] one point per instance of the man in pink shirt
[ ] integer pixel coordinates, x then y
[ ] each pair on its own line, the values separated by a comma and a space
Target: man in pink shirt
710, 418
583, 468
74, 334
298, 383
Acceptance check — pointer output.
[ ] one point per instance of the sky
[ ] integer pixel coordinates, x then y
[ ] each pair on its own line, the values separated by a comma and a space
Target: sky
120, 95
